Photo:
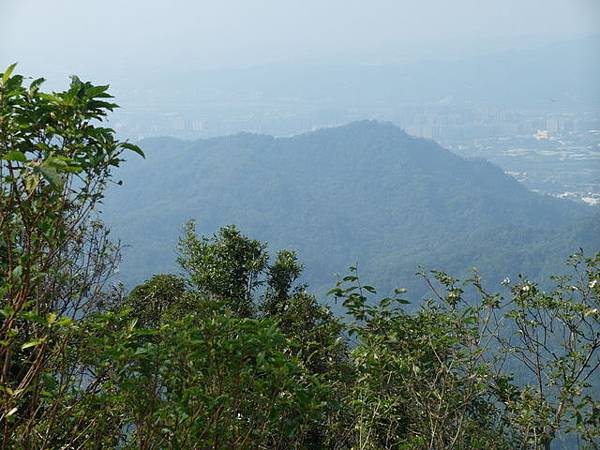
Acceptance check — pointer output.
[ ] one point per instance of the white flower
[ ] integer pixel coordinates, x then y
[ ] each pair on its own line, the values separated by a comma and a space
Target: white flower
593, 283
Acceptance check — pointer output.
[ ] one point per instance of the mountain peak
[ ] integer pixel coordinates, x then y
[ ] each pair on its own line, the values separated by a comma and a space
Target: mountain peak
367, 127
365, 190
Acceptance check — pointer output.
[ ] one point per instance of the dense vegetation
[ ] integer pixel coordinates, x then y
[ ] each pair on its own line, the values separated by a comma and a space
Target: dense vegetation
363, 193
234, 352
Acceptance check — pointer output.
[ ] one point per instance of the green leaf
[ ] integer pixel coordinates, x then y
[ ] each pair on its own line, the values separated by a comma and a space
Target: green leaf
35, 84
14, 155
52, 176
132, 324
133, 148
64, 321
33, 343
98, 92
8, 72
32, 316
32, 181
55, 162
17, 272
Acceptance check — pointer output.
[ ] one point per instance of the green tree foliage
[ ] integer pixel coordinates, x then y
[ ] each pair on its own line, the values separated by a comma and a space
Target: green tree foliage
556, 347
317, 337
226, 266
422, 379
234, 271
280, 277
491, 372
151, 302
215, 381
55, 162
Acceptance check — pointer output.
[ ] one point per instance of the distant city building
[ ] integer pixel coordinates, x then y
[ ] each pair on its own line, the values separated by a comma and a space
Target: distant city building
197, 125
552, 126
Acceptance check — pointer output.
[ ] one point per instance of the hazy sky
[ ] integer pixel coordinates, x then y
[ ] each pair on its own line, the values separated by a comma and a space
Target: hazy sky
132, 35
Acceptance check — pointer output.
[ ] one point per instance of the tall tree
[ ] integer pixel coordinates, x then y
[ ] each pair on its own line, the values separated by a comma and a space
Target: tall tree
56, 159
227, 266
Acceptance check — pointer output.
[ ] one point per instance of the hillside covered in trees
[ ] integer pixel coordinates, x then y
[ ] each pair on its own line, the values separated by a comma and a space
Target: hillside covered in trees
363, 193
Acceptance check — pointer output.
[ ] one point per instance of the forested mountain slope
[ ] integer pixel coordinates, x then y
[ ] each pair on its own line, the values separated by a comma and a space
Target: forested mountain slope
366, 192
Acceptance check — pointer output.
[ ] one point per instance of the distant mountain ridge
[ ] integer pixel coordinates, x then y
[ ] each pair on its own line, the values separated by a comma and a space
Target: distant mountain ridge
365, 192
